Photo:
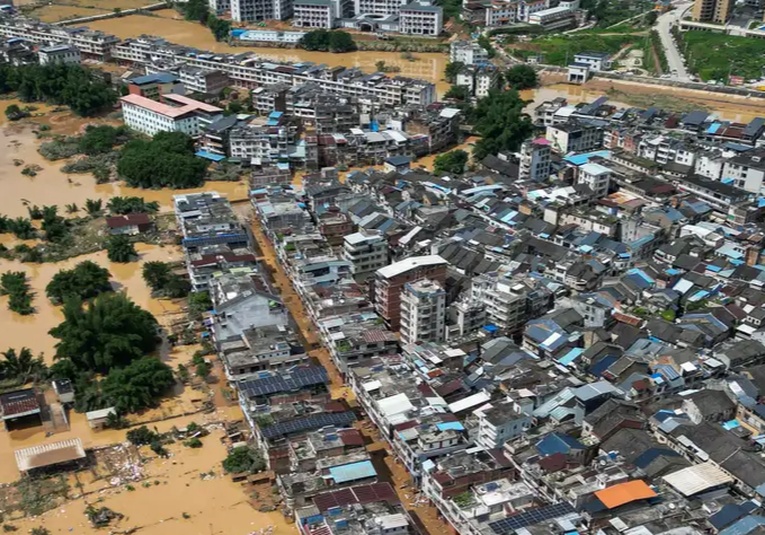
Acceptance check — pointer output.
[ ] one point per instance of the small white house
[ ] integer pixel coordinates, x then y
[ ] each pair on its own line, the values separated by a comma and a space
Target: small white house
596, 61
97, 419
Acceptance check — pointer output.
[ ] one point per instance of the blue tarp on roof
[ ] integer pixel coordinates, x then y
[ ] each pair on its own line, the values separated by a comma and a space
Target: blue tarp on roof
209, 156
581, 159
490, 328
443, 426
713, 128
352, 472
571, 356
731, 424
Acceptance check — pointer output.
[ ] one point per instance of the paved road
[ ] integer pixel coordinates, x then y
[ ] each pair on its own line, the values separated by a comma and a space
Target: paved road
674, 57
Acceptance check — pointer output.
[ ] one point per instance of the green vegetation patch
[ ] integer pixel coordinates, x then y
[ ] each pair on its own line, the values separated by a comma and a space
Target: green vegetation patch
712, 56
561, 49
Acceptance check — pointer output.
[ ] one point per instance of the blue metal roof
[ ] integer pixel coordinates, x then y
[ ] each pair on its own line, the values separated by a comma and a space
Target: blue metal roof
571, 356
157, 78
456, 426
209, 156
352, 472
602, 365
557, 443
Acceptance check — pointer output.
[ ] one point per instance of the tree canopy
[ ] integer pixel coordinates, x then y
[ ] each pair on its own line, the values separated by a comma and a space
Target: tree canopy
131, 205
452, 162
499, 119
137, 386
451, 71
102, 139
111, 332
83, 90
328, 41
521, 77
166, 161
22, 367
120, 249
161, 279
458, 92
14, 284
243, 459
86, 280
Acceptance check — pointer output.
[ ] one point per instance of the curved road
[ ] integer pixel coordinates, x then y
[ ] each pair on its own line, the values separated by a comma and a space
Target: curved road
674, 57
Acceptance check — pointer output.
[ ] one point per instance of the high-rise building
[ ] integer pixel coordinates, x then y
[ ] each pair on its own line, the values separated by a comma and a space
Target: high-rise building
390, 281
716, 11
423, 310
535, 160
366, 250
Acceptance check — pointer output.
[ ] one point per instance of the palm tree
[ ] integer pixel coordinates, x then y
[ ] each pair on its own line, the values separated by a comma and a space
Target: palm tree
93, 207
72, 208
22, 366
156, 274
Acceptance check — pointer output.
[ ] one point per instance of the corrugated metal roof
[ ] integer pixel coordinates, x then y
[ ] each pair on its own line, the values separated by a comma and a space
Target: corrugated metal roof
697, 478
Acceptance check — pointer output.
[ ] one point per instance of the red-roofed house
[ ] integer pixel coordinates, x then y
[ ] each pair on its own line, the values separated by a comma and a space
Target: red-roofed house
129, 224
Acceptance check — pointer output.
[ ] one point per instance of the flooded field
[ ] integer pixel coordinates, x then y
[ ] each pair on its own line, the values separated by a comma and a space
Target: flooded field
168, 24
55, 13
626, 94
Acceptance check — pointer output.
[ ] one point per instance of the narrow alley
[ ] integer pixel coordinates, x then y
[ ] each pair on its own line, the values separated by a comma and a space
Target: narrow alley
389, 469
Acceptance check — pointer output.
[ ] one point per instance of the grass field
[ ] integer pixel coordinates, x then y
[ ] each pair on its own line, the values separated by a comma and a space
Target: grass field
712, 56
560, 49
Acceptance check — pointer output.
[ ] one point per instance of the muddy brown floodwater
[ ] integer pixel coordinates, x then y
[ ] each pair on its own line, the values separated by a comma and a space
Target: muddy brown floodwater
173, 497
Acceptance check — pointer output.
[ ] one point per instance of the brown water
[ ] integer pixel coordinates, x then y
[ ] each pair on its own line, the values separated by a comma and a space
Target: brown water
168, 24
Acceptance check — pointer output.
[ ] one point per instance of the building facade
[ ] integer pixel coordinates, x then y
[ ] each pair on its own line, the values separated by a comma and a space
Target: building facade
423, 310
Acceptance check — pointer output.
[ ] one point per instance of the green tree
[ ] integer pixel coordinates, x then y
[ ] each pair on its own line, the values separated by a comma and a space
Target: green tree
102, 139
453, 68
55, 227
141, 436
521, 77
72, 208
199, 302
23, 366
452, 162
110, 332
138, 385
86, 280
22, 228
120, 249
458, 92
156, 274
340, 41
131, 205
167, 160
499, 119
243, 459
14, 113
93, 207
650, 18
485, 43
220, 28
328, 41
14, 284
196, 10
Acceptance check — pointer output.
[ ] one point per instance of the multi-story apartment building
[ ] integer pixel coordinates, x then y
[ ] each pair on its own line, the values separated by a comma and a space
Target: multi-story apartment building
535, 160
597, 177
197, 80
60, 53
261, 144
390, 281
253, 10
501, 423
574, 136
423, 312
747, 170
553, 18
467, 52
479, 79
421, 18
219, 6
92, 44
367, 251
176, 114
314, 13
504, 12
504, 301
250, 71
716, 11
378, 7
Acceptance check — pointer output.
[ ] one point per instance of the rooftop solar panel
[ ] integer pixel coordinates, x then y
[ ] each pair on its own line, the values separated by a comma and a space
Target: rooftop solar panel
314, 421
530, 518
291, 381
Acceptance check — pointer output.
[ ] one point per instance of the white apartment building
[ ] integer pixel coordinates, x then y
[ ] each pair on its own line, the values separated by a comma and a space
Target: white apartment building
179, 114
252, 72
219, 6
504, 300
91, 43
597, 177
421, 18
423, 312
467, 52
535, 160
746, 170
479, 79
254, 10
378, 7
367, 251
555, 17
260, 145
500, 423
314, 14
504, 12
574, 137
60, 53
